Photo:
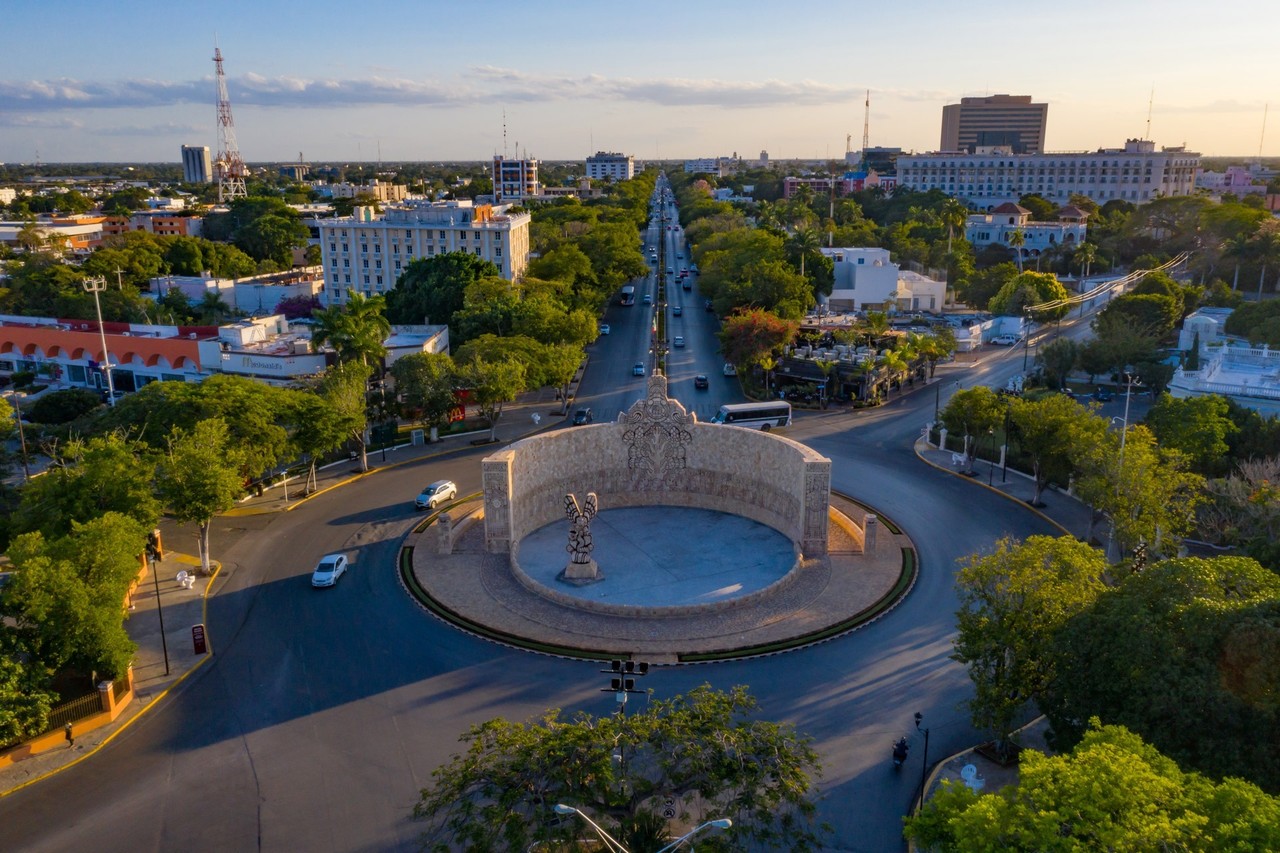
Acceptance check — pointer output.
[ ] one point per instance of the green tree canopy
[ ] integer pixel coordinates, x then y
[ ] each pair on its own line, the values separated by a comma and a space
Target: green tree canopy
426, 384
356, 331
703, 749
492, 384
1113, 792
1184, 653
431, 290
200, 477
972, 413
1197, 426
1027, 289
1048, 430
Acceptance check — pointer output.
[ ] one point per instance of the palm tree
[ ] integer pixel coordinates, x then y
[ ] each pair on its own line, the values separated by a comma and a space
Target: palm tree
355, 331
212, 309
1017, 239
952, 214
805, 242
1237, 248
1084, 255
894, 364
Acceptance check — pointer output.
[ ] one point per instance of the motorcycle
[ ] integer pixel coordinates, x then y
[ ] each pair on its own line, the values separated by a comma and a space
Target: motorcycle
900, 752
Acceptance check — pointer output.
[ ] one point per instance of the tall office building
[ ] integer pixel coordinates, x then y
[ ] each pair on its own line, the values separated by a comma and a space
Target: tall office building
196, 166
515, 180
605, 164
999, 120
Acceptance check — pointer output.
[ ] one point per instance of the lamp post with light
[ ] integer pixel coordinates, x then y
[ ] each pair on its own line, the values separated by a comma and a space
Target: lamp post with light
95, 285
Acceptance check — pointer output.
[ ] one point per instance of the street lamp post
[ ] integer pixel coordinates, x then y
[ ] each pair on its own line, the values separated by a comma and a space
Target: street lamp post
924, 765
152, 556
991, 467
611, 843
1130, 381
95, 285
722, 823
12, 397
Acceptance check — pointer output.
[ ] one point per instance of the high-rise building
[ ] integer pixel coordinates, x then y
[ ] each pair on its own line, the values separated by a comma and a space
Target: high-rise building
515, 180
1011, 121
605, 164
196, 165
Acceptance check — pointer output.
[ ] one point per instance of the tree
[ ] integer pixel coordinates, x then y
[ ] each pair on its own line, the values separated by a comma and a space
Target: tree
1029, 289
60, 407
431, 290
749, 336
426, 383
65, 597
87, 480
356, 331
492, 384
24, 701
1184, 653
698, 748
212, 309
1145, 489
984, 284
1084, 255
1042, 210
1058, 358
973, 412
953, 214
1154, 314
1197, 426
1017, 239
344, 387
1011, 603
1113, 791
200, 477
1048, 430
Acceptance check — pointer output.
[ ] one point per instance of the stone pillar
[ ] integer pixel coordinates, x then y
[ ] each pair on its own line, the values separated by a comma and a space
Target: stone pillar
499, 520
815, 514
107, 696
444, 530
942, 439
870, 525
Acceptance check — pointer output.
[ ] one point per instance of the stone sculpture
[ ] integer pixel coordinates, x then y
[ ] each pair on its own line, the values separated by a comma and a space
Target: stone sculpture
582, 568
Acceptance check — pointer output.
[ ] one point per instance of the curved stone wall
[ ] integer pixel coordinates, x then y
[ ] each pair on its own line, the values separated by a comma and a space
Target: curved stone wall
658, 455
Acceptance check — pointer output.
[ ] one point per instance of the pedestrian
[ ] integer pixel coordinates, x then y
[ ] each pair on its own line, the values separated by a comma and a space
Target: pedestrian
66, 731
537, 418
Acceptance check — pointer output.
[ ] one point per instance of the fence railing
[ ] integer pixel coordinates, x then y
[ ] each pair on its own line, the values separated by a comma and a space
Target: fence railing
76, 709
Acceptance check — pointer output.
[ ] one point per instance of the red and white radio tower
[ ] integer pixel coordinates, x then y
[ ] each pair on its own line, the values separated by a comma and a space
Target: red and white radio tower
228, 167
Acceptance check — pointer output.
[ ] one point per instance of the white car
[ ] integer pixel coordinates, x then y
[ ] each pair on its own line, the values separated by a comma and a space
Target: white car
435, 494
330, 568
678, 341
604, 328
638, 369
1005, 340
730, 370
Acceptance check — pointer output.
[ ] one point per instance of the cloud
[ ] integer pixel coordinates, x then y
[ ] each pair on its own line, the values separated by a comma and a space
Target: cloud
167, 128
16, 120
478, 85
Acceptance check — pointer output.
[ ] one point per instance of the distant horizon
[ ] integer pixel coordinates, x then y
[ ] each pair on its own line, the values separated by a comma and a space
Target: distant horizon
412, 82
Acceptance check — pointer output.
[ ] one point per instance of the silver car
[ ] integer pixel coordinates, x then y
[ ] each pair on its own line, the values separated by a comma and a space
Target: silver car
435, 494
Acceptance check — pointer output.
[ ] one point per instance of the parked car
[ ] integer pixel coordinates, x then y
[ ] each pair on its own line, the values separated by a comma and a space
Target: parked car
329, 569
1102, 395
435, 494
701, 382
638, 369
582, 416
677, 341
1005, 340
730, 370
677, 310
604, 329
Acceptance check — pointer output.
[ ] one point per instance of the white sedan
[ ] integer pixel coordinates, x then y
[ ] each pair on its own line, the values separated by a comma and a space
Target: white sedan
330, 568
1005, 340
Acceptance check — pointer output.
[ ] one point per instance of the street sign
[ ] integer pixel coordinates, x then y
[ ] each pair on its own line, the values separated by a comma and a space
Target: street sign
198, 639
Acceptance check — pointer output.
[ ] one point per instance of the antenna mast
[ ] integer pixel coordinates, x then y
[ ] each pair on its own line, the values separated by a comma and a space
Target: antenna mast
1263, 137
504, 133
1150, 103
229, 168
866, 130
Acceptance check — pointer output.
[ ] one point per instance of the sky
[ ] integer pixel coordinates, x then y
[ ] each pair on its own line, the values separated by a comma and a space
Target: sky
431, 80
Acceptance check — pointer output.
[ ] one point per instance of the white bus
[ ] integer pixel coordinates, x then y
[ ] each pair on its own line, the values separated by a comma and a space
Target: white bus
765, 416
628, 295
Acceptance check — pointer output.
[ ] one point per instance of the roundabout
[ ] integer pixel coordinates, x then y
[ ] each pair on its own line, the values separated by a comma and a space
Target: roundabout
710, 543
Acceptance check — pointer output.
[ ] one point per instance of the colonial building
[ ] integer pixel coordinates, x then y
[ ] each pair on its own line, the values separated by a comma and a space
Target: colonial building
867, 278
1068, 231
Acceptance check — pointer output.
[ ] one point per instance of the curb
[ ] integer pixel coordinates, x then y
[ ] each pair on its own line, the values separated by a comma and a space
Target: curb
142, 709
1028, 507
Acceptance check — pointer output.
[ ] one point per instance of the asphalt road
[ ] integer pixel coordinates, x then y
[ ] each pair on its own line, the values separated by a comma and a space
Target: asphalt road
325, 711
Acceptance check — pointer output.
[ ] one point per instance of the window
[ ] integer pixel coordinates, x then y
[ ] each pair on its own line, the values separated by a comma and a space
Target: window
477, 250
378, 263
408, 233
379, 278
365, 263
333, 247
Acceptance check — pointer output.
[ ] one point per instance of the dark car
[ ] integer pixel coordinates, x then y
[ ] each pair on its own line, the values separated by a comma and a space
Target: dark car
701, 382
677, 310
1102, 395
582, 416
708, 305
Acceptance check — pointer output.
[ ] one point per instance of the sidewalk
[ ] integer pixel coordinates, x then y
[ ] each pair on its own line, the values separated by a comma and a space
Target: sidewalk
181, 609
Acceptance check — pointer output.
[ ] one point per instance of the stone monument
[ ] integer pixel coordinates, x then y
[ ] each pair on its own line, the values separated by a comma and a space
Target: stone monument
582, 569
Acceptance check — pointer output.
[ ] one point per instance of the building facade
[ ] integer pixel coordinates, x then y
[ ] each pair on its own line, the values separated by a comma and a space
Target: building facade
1011, 121
515, 180
868, 278
707, 166
605, 164
378, 190
367, 252
196, 166
1136, 173
1069, 230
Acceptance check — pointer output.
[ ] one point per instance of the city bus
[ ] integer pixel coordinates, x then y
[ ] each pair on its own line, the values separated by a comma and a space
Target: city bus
628, 296
765, 416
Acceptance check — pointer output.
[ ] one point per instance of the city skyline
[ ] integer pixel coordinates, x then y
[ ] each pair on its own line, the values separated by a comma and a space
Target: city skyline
433, 81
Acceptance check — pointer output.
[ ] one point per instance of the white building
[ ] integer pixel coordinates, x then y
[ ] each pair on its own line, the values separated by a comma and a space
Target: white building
992, 176
707, 166
983, 229
380, 190
604, 164
196, 167
7, 194
515, 180
1248, 375
1209, 324
367, 252
867, 278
